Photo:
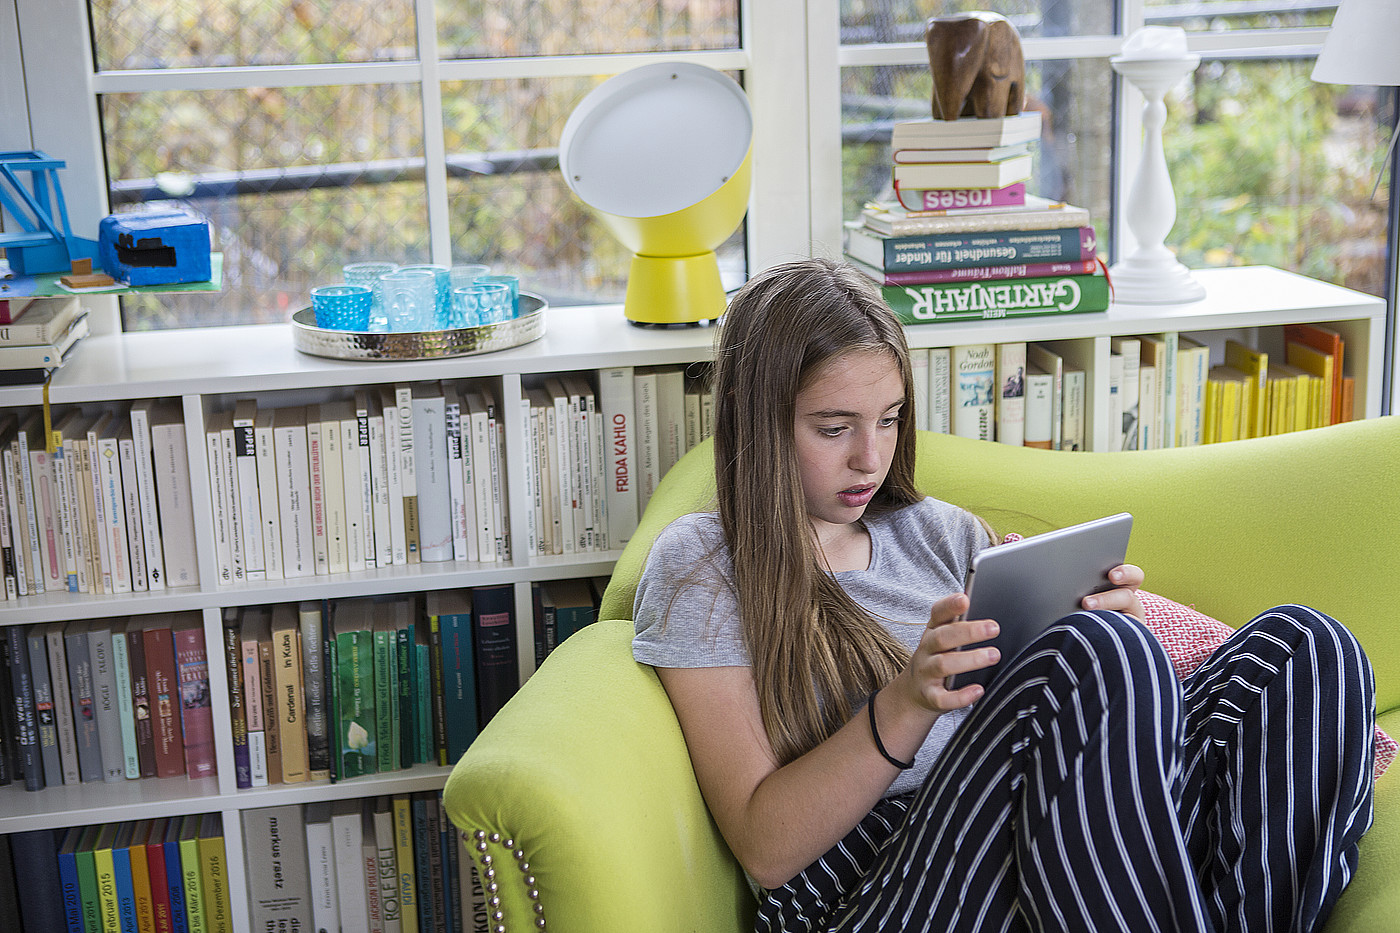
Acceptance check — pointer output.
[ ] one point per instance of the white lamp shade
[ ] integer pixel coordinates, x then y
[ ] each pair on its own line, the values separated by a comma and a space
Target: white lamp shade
656, 139
1361, 47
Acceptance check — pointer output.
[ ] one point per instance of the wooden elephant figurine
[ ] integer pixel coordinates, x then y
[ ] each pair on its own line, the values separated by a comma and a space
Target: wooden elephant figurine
977, 64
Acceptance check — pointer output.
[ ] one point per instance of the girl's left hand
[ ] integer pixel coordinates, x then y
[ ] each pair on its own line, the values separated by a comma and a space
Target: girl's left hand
1127, 579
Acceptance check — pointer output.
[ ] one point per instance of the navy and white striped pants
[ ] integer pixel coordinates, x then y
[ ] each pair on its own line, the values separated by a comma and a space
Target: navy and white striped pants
1090, 790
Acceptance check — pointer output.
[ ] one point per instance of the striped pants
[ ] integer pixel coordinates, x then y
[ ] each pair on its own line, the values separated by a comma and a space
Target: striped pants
1089, 790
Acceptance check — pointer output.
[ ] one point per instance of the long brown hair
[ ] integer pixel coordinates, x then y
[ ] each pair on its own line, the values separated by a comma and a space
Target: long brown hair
815, 653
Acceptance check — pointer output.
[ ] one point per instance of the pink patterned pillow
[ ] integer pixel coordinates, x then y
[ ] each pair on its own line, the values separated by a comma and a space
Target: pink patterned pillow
1189, 638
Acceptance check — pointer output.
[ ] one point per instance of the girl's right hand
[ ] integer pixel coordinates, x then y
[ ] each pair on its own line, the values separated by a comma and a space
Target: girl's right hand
939, 655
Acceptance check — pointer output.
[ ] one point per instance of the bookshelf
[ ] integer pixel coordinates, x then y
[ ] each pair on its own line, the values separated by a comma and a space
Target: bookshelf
207, 373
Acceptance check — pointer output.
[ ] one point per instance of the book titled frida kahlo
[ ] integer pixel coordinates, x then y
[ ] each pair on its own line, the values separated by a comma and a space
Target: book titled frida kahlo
974, 301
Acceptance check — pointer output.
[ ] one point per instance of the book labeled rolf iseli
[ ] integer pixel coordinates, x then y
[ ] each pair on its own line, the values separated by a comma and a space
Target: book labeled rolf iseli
975, 301
963, 250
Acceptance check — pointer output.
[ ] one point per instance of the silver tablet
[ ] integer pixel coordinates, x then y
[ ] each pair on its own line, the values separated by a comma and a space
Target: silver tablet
1028, 585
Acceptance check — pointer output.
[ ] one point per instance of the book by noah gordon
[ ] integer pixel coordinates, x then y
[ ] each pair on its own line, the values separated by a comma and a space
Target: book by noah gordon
973, 301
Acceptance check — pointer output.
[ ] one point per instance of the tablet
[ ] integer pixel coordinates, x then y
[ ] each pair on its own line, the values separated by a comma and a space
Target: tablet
1028, 585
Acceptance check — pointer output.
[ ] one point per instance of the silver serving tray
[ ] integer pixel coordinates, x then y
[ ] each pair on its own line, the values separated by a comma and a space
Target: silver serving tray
420, 345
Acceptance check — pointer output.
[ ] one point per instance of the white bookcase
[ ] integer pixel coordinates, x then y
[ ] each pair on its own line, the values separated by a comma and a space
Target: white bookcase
208, 369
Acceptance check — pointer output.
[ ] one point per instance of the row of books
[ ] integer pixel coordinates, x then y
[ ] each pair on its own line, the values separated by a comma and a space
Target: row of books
1014, 393
377, 865
962, 240
586, 487
415, 472
1163, 390
37, 336
400, 475
337, 690
105, 700
165, 874
96, 501
1252, 395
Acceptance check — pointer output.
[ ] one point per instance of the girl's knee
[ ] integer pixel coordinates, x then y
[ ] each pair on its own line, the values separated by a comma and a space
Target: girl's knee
1115, 639
1301, 625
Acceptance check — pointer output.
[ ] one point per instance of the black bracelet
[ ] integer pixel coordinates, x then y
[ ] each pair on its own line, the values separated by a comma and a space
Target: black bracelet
875, 734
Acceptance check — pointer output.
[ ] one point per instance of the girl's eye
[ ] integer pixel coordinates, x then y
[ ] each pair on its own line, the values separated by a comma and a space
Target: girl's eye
830, 431
890, 421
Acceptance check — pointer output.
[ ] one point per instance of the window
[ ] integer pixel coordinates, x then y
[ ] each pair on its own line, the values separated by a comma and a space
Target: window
317, 133
312, 133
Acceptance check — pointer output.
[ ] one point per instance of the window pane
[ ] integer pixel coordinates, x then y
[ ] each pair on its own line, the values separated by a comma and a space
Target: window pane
491, 29
1215, 15
875, 21
223, 33
510, 206
294, 181
1072, 162
1270, 167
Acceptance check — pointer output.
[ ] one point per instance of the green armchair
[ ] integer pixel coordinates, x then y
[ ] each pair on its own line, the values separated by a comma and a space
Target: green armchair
578, 798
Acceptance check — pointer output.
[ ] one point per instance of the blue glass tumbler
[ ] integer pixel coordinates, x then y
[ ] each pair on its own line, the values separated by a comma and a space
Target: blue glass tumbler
483, 303
511, 282
443, 300
410, 300
367, 274
341, 307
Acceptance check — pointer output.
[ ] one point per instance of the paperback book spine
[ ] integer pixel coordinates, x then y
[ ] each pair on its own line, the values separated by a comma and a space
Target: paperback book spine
146, 493
982, 273
949, 199
974, 301
1004, 247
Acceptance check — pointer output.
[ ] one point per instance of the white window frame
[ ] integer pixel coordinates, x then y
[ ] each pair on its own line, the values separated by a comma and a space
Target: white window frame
790, 57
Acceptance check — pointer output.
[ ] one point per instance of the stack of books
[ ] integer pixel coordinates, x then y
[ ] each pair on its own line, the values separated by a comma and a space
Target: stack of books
963, 240
37, 335
99, 503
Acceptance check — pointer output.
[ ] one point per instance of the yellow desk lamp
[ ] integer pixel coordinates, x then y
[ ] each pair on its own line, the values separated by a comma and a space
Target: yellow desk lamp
661, 154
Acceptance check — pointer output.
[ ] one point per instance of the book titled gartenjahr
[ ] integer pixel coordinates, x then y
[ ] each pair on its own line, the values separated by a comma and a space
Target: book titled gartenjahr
975, 301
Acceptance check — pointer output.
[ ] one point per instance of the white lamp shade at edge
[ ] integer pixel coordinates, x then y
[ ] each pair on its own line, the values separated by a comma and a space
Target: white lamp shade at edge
1361, 47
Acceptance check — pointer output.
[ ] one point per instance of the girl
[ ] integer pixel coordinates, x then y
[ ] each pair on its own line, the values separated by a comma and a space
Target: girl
804, 632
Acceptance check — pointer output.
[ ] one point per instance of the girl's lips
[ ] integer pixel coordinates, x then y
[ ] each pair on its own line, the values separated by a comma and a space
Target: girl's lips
856, 495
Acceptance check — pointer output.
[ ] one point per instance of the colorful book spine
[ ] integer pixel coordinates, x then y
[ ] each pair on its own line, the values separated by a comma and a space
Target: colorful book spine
982, 273
952, 251
493, 627
68, 879
403, 860
163, 678
196, 712
126, 709
191, 875
949, 199
175, 877
213, 874
975, 301
237, 708
313, 676
141, 700
22, 700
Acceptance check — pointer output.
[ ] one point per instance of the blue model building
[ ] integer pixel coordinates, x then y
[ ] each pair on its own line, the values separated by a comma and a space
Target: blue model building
156, 247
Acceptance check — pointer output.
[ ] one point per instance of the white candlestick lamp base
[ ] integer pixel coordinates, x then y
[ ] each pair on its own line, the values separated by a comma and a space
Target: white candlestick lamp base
1152, 274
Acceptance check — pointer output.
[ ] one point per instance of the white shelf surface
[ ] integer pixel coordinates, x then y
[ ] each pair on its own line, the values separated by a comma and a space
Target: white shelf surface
261, 358
147, 798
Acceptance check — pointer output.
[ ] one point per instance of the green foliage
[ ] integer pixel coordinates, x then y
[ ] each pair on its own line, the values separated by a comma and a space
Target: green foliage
1272, 168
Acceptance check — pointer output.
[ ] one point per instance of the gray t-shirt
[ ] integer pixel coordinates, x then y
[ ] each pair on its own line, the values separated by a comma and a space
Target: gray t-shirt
918, 555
